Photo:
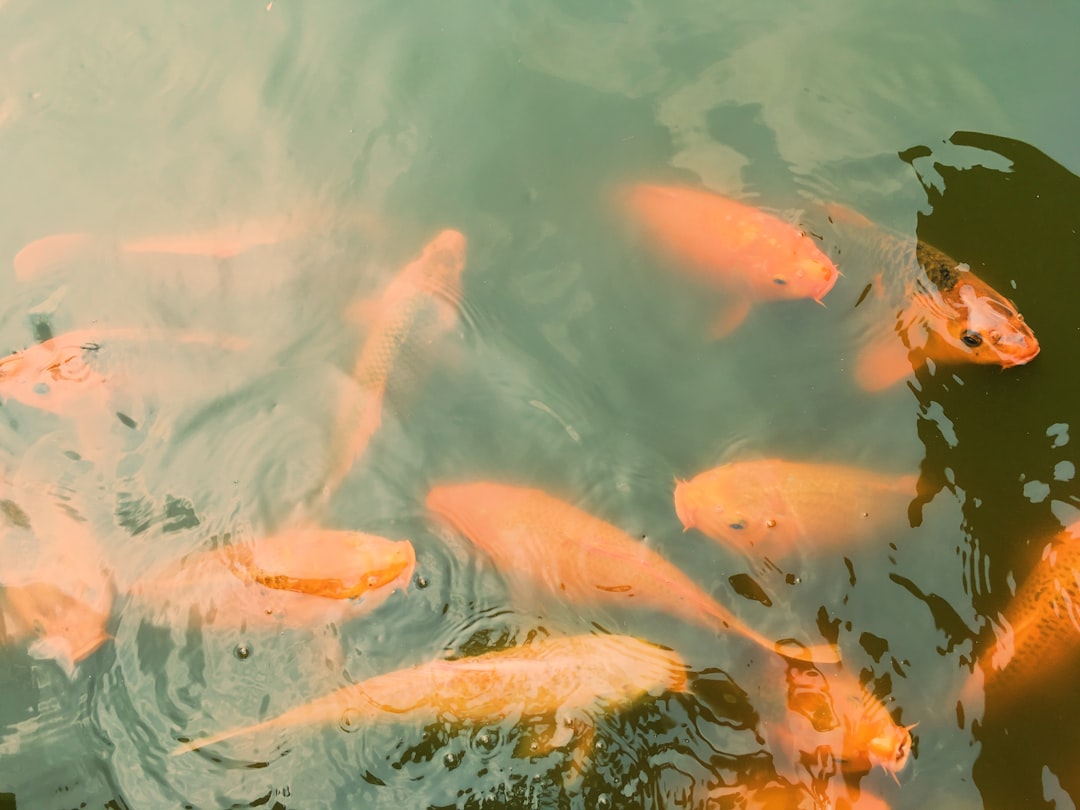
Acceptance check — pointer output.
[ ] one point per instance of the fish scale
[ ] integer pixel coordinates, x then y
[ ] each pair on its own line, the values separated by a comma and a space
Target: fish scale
418, 305
1044, 617
552, 676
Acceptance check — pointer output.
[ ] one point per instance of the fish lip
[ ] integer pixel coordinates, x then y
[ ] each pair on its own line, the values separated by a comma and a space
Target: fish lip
1011, 362
682, 510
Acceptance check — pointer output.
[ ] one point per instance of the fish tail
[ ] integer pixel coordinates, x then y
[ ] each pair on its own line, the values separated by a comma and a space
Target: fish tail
333, 707
788, 648
203, 742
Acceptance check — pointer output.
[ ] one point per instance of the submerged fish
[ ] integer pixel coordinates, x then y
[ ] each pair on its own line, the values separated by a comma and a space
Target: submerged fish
298, 577
770, 506
781, 795
942, 311
60, 626
58, 375
534, 538
749, 253
55, 592
225, 242
560, 676
836, 710
417, 308
1042, 624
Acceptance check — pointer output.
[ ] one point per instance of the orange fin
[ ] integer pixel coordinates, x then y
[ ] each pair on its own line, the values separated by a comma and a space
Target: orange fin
842, 213
882, 364
45, 253
729, 319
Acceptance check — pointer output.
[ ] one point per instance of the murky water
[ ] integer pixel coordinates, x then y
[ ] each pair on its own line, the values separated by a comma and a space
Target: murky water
332, 142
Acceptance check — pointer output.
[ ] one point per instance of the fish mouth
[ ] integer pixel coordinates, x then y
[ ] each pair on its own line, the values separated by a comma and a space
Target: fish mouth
682, 508
1023, 358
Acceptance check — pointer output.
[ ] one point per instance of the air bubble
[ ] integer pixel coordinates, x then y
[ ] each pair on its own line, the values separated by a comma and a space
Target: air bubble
242, 651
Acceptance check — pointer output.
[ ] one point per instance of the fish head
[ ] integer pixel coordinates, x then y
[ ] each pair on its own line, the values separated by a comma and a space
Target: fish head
809, 274
890, 747
443, 260
391, 561
331, 564
66, 628
725, 508
976, 324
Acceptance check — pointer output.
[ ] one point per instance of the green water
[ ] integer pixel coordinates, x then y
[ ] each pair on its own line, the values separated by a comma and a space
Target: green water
579, 366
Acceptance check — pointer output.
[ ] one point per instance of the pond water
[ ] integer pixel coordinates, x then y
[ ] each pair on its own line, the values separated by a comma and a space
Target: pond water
215, 184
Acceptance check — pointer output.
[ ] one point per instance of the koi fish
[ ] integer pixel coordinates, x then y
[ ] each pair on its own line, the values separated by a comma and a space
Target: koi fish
1042, 623
63, 627
787, 796
768, 506
225, 242
943, 312
560, 676
54, 591
750, 254
58, 376
535, 538
836, 710
295, 578
416, 309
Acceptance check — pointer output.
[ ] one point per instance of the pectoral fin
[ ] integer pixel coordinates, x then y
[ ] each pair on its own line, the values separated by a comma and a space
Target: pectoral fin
882, 363
730, 318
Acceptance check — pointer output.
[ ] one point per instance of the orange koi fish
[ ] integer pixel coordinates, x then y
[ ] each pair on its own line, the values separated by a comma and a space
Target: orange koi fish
559, 676
943, 312
752, 255
299, 577
416, 309
225, 242
837, 711
537, 539
54, 591
1042, 624
57, 375
62, 627
769, 505
786, 796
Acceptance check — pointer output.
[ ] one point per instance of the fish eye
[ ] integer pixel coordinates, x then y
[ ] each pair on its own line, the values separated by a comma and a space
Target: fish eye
971, 338
738, 525
779, 280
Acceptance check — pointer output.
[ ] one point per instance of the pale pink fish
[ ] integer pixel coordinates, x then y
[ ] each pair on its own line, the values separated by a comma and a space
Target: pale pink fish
300, 577
557, 676
58, 375
49, 252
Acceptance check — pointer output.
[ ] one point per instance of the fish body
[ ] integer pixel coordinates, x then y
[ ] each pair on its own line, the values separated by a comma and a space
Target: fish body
417, 308
941, 310
786, 796
774, 506
58, 625
55, 593
836, 710
752, 255
1042, 623
557, 676
299, 577
537, 539
58, 375
225, 242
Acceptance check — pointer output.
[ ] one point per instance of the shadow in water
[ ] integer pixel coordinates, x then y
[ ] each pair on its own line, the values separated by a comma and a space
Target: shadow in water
1002, 437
